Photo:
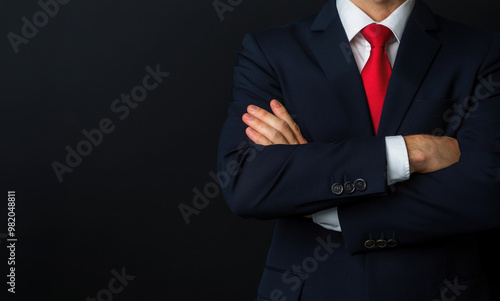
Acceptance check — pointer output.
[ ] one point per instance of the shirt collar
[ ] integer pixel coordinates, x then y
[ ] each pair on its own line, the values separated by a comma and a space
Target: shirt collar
354, 19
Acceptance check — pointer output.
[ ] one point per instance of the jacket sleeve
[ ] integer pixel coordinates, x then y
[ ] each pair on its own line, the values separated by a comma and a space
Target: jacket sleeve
286, 180
462, 198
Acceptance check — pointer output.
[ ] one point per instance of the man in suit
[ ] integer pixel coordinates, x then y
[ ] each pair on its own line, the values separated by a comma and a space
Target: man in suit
390, 166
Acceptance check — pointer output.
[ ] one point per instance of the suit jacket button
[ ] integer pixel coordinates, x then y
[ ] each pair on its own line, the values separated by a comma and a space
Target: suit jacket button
381, 243
370, 243
337, 189
392, 242
360, 184
349, 187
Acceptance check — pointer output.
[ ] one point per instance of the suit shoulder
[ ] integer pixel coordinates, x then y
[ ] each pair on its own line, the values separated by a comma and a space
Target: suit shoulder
467, 34
479, 46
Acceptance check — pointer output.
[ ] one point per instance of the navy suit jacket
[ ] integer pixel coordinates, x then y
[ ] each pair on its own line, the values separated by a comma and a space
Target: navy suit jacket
416, 240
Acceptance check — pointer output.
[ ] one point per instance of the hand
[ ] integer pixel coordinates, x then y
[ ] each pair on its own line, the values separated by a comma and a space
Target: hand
265, 128
428, 153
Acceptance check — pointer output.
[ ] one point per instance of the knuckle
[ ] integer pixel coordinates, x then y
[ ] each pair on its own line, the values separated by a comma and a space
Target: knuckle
258, 123
275, 134
263, 113
284, 126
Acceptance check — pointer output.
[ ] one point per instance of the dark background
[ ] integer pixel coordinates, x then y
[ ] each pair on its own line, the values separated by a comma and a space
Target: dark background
119, 207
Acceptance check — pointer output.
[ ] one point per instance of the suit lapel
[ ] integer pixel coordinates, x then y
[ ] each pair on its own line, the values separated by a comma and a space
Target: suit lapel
329, 44
415, 55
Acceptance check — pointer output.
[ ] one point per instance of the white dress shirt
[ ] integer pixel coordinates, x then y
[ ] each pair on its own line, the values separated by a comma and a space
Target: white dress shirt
354, 20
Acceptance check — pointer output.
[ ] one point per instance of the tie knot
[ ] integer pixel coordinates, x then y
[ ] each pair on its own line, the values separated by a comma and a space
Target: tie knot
377, 35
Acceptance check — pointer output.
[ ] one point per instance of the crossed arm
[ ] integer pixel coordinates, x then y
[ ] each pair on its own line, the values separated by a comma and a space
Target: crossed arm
292, 176
426, 153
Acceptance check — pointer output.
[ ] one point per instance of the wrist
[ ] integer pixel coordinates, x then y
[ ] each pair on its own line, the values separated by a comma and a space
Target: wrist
418, 147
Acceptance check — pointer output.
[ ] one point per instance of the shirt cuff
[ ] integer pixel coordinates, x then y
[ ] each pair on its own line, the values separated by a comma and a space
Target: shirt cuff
398, 164
398, 170
328, 219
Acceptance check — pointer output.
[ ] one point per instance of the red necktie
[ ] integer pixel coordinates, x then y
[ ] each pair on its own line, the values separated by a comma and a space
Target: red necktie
377, 71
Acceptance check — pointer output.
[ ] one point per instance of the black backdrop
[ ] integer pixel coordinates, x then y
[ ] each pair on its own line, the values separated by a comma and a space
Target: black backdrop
109, 227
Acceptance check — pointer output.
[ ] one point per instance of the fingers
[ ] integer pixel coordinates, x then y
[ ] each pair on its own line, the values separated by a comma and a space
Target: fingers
257, 137
265, 128
428, 153
449, 149
280, 112
273, 128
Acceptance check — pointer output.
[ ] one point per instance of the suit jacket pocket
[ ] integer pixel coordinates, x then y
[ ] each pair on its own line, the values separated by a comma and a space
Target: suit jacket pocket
277, 284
